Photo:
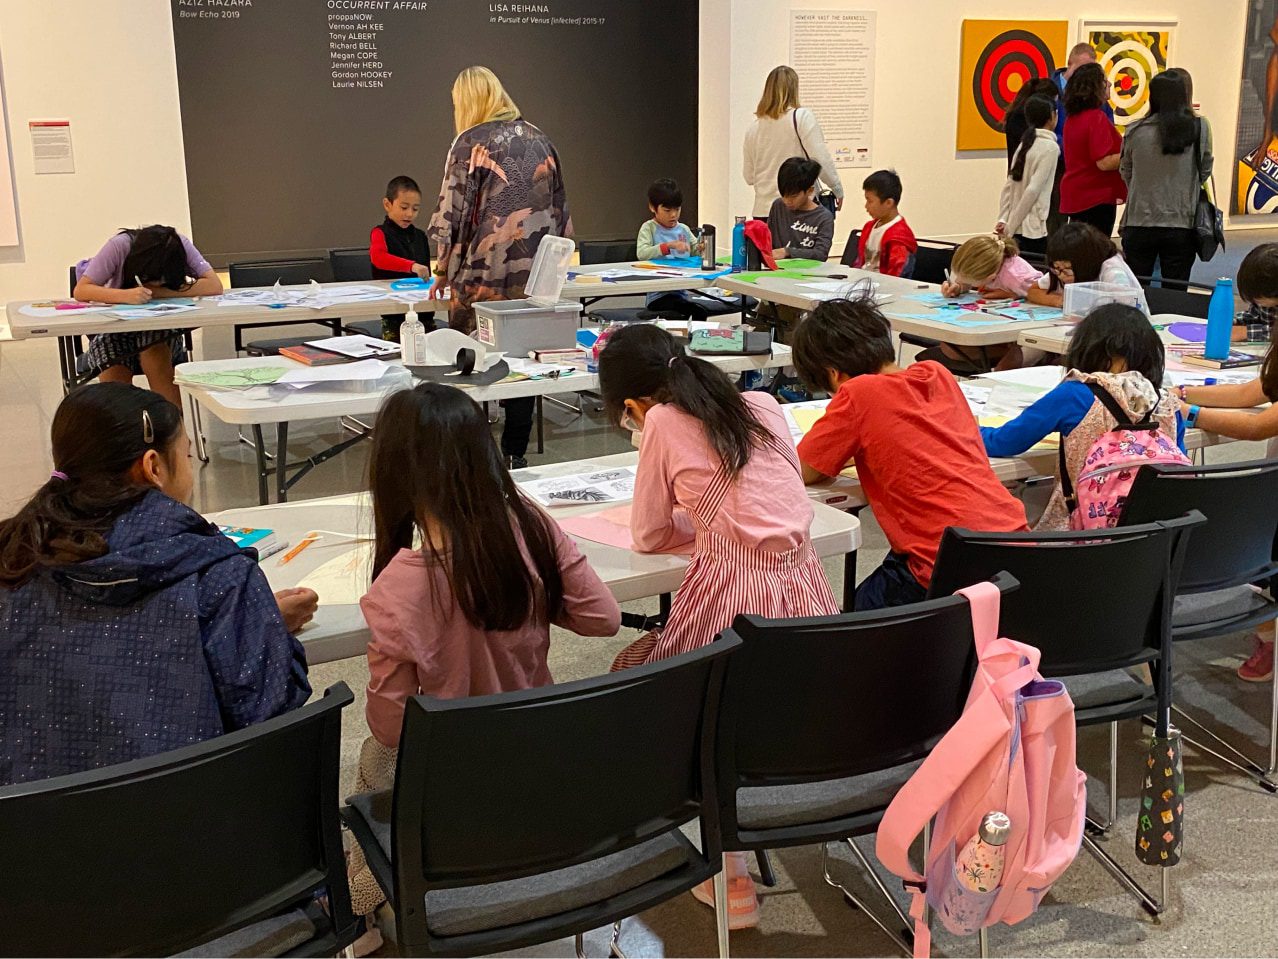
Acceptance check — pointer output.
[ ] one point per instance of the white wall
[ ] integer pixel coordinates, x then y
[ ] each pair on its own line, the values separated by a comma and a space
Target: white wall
108, 66
947, 194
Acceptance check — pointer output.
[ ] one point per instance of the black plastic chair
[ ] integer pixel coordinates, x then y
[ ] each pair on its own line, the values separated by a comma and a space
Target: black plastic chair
352, 265
851, 249
1096, 603
523, 817
622, 250
1234, 550
1191, 301
267, 273
223, 845
931, 265
848, 723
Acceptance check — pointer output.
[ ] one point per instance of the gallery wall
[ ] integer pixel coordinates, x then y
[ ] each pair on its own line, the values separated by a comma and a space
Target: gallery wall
116, 80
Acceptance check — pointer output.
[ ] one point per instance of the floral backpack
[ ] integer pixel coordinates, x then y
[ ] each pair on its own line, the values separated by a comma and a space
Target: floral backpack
1110, 466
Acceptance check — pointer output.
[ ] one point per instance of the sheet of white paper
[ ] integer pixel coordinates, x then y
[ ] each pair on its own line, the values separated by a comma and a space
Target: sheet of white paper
977, 396
358, 345
344, 579
533, 368
341, 372
145, 313
615, 485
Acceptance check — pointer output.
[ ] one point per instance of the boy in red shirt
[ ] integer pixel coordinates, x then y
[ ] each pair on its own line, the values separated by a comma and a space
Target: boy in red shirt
913, 440
887, 243
396, 248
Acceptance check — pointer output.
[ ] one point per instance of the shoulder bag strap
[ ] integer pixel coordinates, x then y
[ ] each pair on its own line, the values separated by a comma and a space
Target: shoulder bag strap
795, 117
1120, 416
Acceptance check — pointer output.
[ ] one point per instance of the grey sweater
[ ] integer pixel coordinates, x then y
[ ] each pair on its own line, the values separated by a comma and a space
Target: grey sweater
1162, 189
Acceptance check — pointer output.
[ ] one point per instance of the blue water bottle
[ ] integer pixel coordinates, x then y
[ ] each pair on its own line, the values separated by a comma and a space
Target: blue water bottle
1220, 320
739, 245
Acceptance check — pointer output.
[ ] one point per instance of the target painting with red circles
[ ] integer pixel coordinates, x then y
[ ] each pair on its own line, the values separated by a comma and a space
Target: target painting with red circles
999, 57
1131, 57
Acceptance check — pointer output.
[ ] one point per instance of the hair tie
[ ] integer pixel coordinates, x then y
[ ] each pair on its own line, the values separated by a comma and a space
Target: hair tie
58, 474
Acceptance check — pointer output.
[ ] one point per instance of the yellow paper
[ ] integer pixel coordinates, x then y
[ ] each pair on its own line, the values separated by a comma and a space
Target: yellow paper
344, 579
805, 417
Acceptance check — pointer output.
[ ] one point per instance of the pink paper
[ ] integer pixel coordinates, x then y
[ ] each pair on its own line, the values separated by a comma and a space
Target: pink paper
611, 527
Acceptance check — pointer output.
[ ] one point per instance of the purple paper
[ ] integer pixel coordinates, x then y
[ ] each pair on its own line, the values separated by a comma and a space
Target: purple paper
1191, 332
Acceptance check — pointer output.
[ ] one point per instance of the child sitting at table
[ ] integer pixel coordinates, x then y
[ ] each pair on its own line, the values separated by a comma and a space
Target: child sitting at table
1258, 288
717, 470
468, 576
397, 249
1080, 253
911, 436
800, 226
887, 243
663, 234
1114, 348
134, 267
991, 265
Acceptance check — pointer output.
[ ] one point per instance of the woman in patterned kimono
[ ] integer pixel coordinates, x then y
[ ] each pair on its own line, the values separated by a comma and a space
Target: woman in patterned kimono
502, 192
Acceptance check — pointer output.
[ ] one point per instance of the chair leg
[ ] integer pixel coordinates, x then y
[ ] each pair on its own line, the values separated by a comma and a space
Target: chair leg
197, 427
985, 942
906, 948
874, 877
614, 946
579, 941
1102, 830
766, 874
1273, 728
721, 909
1148, 902
1247, 766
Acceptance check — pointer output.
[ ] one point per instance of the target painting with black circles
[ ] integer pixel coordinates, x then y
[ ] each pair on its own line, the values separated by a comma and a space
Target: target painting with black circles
998, 58
1131, 54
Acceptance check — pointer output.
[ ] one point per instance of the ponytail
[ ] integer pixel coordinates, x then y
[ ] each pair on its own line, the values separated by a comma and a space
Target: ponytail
645, 362
99, 433
1038, 110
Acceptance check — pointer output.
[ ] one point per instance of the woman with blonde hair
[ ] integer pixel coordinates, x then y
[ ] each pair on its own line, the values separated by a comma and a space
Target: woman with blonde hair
782, 129
502, 192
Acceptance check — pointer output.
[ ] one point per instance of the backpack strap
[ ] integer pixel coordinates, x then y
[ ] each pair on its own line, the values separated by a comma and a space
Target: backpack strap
1124, 422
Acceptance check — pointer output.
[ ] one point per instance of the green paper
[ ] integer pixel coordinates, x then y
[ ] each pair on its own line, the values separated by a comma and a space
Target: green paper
233, 379
779, 274
797, 263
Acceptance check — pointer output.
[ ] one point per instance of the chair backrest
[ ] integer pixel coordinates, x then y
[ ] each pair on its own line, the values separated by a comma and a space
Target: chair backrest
350, 264
1240, 501
1189, 302
851, 249
73, 281
497, 787
1090, 600
607, 251
158, 855
266, 272
931, 260
828, 697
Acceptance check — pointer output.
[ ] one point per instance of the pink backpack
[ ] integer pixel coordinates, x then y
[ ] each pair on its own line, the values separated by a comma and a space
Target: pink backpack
1110, 466
1011, 750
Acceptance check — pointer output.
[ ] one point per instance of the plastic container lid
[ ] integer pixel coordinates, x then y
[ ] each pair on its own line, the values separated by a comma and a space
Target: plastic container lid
529, 306
549, 270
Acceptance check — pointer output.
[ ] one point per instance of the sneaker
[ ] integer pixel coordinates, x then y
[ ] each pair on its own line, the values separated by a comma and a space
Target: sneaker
794, 394
518, 462
743, 898
1260, 667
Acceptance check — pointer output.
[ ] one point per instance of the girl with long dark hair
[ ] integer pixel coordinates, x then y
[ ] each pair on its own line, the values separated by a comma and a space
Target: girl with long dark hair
134, 267
1026, 200
1166, 159
131, 624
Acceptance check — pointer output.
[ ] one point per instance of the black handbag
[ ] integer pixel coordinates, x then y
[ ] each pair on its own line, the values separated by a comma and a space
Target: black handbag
825, 196
1209, 221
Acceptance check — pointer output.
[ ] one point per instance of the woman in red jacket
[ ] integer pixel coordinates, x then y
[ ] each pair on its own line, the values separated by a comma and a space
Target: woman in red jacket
1092, 187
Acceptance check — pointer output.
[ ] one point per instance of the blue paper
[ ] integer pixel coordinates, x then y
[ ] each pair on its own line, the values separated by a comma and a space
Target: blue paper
966, 320
936, 299
1041, 314
679, 262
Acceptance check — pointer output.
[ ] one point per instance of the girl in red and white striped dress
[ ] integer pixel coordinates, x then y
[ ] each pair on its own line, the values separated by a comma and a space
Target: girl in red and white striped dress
717, 469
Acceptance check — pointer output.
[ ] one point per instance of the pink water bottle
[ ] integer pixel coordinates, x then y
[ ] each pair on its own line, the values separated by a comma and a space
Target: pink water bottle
980, 864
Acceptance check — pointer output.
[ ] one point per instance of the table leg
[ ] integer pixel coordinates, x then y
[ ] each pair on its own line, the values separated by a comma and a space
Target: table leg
541, 427
259, 449
281, 462
849, 581
66, 361
664, 601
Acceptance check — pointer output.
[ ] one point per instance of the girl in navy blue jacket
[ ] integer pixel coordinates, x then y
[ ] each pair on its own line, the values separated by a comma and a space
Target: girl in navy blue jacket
129, 625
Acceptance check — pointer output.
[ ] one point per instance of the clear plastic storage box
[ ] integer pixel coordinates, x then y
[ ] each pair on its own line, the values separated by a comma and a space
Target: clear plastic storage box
1082, 298
540, 322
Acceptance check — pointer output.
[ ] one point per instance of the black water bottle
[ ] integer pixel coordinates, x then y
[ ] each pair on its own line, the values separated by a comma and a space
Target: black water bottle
708, 248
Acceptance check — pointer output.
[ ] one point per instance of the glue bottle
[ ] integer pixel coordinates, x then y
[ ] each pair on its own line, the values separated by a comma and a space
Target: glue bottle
979, 866
412, 339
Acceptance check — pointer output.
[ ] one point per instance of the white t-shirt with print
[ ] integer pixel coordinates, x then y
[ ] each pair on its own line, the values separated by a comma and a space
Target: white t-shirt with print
874, 242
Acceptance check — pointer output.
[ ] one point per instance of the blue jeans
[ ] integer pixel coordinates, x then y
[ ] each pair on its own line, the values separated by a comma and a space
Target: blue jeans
892, 584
